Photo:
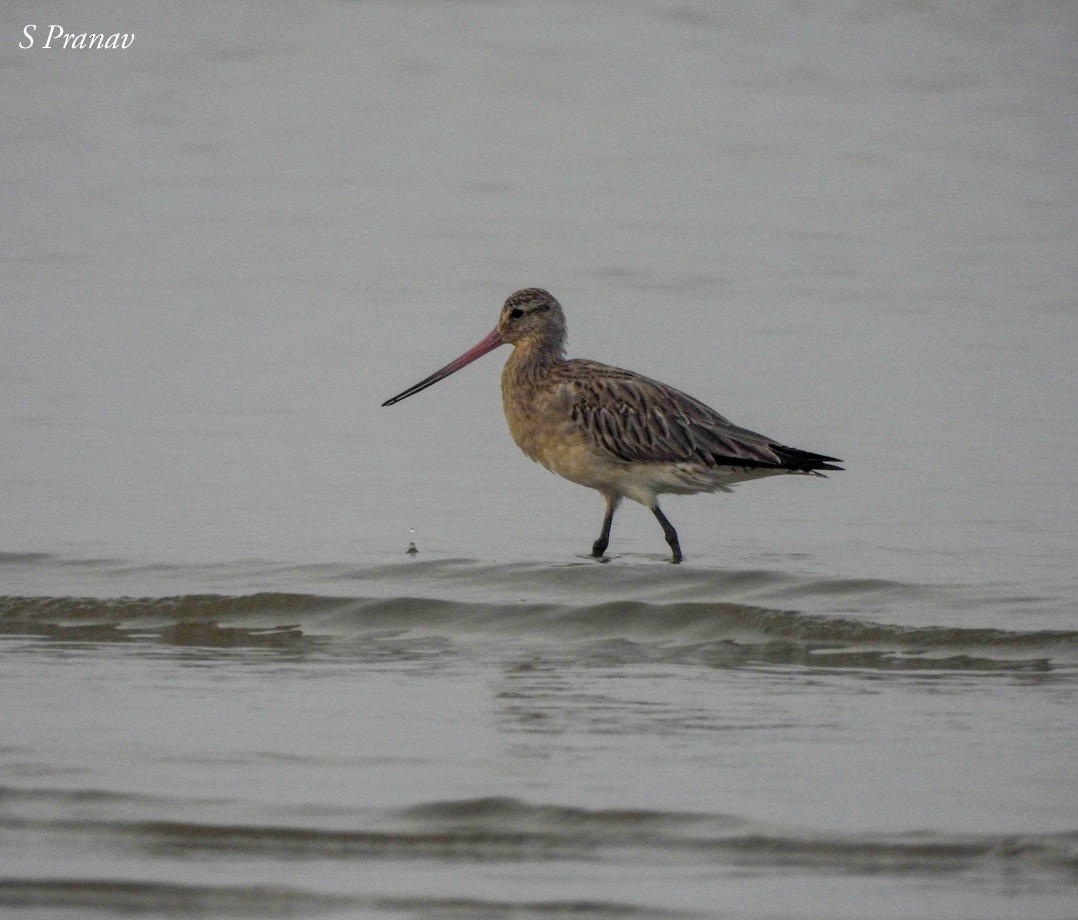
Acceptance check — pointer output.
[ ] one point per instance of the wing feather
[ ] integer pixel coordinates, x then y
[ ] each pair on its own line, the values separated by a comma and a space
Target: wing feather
639, 420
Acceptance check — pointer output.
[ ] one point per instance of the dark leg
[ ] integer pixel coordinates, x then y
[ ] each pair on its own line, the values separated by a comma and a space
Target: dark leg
669, 533
600, 545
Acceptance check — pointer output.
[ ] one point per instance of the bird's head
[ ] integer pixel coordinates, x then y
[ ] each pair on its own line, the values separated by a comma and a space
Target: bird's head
532, 315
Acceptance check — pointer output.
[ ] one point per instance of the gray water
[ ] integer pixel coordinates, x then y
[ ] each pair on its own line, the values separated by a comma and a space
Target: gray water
226, 689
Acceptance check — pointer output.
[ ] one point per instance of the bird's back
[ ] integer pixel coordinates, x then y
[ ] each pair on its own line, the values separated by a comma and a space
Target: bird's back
635, 419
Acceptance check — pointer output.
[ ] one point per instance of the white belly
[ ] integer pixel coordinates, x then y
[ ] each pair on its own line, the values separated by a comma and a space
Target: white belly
641, 482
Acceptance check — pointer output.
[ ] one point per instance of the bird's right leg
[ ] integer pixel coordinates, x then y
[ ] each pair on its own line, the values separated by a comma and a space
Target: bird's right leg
670, 534
600, 545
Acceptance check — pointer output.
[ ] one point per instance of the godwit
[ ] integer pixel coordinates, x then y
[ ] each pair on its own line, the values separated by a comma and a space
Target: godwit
612, 430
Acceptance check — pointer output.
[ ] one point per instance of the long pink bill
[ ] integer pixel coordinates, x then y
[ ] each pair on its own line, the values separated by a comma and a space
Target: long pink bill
489, 343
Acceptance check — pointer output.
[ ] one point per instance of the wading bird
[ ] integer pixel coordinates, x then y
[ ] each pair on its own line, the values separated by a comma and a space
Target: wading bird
615, 431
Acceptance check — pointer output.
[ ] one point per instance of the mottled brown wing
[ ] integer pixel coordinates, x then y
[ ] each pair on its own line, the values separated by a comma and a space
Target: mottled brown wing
639, 420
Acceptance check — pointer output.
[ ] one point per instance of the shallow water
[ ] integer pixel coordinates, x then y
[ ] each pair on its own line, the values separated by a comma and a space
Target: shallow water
228, 691
456, 738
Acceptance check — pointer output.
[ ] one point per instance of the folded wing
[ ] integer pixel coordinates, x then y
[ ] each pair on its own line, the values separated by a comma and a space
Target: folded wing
638, 420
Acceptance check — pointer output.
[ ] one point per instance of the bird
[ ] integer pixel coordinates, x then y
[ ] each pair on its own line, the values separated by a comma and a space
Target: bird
612, 430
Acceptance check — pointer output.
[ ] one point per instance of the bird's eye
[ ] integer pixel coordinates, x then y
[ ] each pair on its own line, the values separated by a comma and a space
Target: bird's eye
516, 313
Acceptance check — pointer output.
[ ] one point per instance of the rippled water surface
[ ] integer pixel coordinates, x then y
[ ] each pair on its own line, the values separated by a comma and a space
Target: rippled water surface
228, 691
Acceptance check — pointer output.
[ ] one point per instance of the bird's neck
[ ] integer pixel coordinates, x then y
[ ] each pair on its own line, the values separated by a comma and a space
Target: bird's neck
525, 379
533, 358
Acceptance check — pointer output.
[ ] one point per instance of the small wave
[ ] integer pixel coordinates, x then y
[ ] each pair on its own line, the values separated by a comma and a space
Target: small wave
501, 830
741, 839
24, 558
139, 898
718, 634
135, 898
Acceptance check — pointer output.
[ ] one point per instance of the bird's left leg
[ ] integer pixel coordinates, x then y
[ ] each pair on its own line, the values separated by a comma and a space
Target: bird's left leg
600, 545
669, 533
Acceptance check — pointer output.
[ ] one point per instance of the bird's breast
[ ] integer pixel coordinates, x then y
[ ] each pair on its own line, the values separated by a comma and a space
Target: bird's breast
533, 421
541, 422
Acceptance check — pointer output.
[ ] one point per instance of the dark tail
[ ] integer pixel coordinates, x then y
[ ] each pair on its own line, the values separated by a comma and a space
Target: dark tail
801, 461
